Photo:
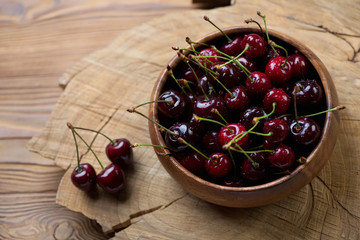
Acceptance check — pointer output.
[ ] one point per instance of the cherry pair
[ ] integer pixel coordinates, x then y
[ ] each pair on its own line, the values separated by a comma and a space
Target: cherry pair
111, 178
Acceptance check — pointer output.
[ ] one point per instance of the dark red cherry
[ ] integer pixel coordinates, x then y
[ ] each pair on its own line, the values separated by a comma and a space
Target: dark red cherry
300, 65
310, 93
251, 173
205, 84
175, 106
209, 61
191, 74
278, 96
257, 83
229, 74
111, 179
218, 165
232, 48
203, 107
210, 141
248, 63
247, 117
256, 43
239, 100
279, 130
84, 177
282, 158
306, 133
277, 73
120, 153
270, 53
183, 130
194, 162
231, 131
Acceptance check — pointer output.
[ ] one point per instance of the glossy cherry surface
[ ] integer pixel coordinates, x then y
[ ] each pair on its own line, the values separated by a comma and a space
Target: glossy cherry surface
120, 153
279, 130
183, 130
257, 83
247, 118
232, 48
280, 98
111, 179
257, 45
310, 93
306, 133
84, 177
176, 104
194, 162
283, 158
203, 107
210, 60
251, 173
229, 74
300, 65
277, 72
233, 130
210, 141
238, 101
218, 165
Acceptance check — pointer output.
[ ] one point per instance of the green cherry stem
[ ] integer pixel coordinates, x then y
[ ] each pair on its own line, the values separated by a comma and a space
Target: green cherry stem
146, 145
155, 101
89, 147
171, 73
225, 35
250, 20
198, 119
77, 150
340, 107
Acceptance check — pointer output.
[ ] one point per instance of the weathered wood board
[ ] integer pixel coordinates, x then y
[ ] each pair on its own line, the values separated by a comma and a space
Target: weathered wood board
104, 84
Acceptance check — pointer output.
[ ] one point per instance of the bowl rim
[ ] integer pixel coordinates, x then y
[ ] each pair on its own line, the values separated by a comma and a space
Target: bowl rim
330, 97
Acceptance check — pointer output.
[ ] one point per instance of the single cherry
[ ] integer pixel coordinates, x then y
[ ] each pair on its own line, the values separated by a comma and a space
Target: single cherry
279, 97
204, 106
256, 45
210, 60
300, 65
84, 177
247, 118
175, 106
279, 130
181, 130
229, 74
119, 152
232, 48
194, 162
257, 83
279, 70
111, 179
282, 158
218, 165
251, 173
210, 141
238, 101
310, 93
231, 131
305, 131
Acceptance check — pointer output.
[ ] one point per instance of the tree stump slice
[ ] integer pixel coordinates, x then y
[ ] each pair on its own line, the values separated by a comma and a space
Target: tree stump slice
100, 88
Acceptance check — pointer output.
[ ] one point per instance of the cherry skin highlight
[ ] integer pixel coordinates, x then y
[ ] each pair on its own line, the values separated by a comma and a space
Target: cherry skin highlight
84, 177
120, 153
111, 179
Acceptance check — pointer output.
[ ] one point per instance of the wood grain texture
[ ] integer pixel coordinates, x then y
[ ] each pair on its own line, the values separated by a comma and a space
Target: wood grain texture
154, 206
39, 40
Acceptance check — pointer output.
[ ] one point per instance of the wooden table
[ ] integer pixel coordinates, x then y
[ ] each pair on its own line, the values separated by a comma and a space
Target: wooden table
39, 40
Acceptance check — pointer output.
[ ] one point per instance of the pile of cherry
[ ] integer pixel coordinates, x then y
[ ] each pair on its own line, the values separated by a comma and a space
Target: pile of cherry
241, 110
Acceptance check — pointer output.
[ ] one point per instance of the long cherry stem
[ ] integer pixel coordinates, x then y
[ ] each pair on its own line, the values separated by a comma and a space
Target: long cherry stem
77, 150
89, 147
340, 107
225, 35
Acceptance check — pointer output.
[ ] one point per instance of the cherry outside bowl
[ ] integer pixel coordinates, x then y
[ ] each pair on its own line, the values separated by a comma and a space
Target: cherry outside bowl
265, 193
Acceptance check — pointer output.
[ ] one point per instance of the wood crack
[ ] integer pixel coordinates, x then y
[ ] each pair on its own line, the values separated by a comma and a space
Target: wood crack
338, 35
336, 199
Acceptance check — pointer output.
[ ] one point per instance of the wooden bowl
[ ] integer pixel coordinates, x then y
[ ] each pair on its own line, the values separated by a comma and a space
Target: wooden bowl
265, 193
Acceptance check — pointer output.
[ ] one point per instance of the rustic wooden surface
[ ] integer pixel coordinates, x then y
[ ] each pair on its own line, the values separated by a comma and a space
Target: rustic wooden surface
39, 41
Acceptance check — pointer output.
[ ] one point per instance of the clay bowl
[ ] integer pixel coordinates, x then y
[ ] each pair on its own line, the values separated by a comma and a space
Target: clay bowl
268, 192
